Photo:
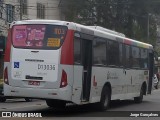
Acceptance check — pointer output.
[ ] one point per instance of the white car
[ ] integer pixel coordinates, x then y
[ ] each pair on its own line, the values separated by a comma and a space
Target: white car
155, 81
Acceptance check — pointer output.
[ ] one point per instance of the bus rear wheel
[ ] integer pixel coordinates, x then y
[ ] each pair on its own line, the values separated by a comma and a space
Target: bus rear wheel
56, 103
105, 99
140, 98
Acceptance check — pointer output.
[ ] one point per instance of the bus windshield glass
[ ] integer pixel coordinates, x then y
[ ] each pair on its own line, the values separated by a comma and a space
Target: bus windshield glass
38, 36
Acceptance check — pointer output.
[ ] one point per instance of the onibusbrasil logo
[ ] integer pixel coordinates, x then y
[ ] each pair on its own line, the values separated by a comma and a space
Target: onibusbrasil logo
21, 115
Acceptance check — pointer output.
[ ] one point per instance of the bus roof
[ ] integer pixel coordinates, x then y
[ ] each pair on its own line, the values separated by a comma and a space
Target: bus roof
102, 32
37, 21
107, 30
93, 30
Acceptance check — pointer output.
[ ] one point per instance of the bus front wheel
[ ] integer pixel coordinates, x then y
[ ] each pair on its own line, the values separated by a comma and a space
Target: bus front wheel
105, 99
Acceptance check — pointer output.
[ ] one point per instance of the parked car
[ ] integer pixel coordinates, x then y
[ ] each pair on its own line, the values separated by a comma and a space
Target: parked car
155, 81
3, 98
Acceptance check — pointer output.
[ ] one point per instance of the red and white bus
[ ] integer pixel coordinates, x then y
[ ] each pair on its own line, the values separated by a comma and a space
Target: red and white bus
65, 62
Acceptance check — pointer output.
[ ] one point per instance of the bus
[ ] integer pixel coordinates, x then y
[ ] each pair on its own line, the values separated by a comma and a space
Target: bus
65, 62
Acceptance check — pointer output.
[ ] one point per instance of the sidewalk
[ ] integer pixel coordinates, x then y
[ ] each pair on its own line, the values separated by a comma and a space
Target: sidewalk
153, 88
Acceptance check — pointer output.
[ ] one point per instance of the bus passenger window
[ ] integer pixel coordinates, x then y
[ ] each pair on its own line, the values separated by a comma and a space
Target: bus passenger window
99, 52
128, 57
144, 58
113, 53
136, 57
120, 55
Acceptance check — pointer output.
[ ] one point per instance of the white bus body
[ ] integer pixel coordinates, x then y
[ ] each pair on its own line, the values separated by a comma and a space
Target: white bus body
40, 62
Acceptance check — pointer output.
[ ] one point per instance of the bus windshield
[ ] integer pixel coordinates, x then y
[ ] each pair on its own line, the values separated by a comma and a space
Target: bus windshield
38, 36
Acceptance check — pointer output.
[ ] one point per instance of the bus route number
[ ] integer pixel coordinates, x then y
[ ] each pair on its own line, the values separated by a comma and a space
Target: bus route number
59, 31
46, 67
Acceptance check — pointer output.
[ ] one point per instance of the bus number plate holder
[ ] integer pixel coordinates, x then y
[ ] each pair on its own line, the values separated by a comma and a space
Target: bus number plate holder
34, 83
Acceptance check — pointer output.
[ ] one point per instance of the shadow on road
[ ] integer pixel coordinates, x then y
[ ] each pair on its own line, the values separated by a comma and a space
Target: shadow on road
86, 110
16, 100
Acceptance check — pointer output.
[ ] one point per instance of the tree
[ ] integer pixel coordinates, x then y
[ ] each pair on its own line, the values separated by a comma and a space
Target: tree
130, 17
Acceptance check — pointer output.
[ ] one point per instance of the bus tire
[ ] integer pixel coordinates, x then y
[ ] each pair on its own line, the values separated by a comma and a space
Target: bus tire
105, 99
140, 98
56, 103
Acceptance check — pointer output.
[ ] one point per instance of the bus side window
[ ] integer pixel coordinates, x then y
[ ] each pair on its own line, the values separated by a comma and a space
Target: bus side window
128, 56
136, 57
99, 52
113, 53
144, 58
77, 50
121, 55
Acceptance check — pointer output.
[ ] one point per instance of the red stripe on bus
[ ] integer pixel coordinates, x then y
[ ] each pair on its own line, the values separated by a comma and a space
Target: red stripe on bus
126, 41
8, 47
67, 49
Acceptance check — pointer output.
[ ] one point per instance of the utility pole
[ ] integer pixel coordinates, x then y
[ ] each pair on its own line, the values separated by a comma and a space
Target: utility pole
20, 2
148, 27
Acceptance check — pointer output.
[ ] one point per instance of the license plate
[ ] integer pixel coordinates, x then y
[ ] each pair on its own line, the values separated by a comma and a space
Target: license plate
35, 83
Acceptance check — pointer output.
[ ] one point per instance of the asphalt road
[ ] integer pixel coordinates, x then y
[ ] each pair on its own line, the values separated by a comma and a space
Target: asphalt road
118, 109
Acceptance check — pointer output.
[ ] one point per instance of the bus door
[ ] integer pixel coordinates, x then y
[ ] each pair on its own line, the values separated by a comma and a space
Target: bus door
151, 68
127, 72
87, 68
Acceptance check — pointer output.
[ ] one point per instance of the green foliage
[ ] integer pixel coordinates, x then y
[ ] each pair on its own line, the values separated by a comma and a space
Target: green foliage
157, 49
130, 17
